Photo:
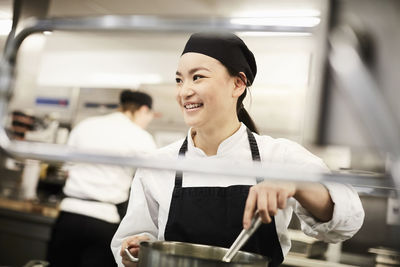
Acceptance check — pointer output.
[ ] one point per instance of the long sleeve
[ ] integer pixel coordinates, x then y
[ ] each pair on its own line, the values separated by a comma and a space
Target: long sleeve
348, 213
347, 219
140, 204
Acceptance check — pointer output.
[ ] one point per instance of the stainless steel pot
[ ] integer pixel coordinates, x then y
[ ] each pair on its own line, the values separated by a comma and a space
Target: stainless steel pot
178, 254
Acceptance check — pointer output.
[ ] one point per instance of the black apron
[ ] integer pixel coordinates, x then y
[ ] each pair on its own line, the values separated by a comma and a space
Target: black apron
213, 215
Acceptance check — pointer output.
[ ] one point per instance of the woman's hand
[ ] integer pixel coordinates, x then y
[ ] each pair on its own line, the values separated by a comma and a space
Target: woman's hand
267, 197
132, 243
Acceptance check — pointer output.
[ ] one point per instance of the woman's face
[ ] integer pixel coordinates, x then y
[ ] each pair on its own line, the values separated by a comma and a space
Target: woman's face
205, 91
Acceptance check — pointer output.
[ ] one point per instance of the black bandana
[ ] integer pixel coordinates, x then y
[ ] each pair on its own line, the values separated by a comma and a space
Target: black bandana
226, 47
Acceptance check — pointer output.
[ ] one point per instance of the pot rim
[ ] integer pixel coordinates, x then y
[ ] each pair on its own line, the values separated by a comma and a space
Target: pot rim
260, 259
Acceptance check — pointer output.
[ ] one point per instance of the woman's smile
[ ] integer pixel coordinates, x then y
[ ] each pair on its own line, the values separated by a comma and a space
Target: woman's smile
189, 106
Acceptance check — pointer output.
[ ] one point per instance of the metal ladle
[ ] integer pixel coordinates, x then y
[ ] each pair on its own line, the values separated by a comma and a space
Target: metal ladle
244, 235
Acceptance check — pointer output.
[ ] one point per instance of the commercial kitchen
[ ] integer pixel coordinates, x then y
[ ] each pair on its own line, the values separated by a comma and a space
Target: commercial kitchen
327, 79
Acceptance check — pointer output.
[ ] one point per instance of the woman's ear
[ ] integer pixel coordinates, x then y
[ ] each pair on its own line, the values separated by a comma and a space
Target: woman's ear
240, 84
144, 109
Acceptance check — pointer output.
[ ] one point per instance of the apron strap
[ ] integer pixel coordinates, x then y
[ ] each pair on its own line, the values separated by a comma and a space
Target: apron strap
178, 174
255, 154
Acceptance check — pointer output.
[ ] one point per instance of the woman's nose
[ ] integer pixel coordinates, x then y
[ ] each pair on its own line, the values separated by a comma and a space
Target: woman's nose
186, 90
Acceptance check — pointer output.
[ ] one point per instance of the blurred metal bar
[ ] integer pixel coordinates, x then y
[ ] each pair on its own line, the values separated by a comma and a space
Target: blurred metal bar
140, 23
59, 153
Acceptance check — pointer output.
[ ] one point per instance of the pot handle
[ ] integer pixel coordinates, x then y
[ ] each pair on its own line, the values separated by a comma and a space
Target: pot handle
130, 256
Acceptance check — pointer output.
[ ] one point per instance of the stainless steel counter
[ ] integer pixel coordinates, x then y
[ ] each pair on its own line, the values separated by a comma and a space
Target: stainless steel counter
292, 260
29, 207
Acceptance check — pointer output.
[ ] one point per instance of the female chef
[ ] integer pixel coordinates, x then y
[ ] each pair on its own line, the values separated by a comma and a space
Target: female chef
213, 74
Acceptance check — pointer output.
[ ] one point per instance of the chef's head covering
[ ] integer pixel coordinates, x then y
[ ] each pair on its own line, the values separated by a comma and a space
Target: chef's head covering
226, 47
234, 54
135, 97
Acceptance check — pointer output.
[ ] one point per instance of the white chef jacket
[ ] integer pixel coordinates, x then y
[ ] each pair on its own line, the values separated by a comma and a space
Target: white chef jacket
114, 133
151, 191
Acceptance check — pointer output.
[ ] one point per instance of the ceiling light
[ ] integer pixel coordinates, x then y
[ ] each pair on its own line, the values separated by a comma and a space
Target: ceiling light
273, 13
278, 21
126, 79
267, 34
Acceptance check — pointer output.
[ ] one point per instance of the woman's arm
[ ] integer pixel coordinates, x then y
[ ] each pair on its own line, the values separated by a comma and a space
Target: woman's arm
140, 216
315, 198
331, 212
347, 218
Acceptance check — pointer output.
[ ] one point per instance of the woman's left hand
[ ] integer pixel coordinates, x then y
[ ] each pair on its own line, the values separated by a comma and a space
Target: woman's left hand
267, 197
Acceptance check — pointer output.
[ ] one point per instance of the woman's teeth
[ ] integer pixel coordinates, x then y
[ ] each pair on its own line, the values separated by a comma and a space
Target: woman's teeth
191, 106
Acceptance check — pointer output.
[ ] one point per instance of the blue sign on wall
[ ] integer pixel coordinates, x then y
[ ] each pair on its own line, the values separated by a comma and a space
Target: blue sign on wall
60, 102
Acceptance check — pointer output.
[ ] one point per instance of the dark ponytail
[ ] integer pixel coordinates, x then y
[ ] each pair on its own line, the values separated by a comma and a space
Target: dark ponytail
243, 115
241, 112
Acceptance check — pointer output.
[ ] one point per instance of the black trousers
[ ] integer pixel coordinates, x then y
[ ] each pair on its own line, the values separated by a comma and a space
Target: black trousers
79, 240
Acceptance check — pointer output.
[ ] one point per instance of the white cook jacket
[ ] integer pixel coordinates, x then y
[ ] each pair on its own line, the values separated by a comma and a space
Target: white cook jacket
114, 133
151, 192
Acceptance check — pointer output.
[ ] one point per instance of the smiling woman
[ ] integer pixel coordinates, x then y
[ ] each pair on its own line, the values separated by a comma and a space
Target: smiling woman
213, 73
207, 94
211, 86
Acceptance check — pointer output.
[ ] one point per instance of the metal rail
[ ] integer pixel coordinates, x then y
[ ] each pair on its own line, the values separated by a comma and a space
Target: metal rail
140, 23
60, 153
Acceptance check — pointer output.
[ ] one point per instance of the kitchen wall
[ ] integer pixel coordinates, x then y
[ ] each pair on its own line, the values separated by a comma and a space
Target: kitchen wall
54, 66
285, 96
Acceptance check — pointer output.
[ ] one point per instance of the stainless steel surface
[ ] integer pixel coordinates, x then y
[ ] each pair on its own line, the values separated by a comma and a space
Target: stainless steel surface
357, 83
385, 256
359, 86
53, 152
297, 261
241, 240
36, 263
178, 254
138, 23
306, 246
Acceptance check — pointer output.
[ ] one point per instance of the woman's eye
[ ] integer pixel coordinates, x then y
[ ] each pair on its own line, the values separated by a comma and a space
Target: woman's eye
178, 80
196, 77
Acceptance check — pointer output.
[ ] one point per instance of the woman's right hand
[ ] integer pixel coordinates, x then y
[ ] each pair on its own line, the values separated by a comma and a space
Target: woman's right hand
132, 243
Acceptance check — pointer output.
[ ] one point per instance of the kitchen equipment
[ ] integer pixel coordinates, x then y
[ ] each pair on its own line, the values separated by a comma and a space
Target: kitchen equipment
386, 256
30, 179
306, 246
179, 254
244, 235
36, 263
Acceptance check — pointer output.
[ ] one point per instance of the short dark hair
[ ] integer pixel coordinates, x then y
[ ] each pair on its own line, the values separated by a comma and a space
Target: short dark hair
129, 97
